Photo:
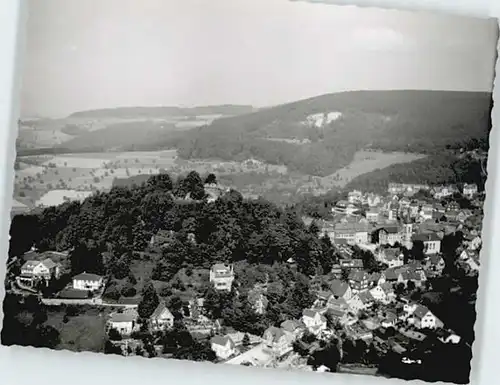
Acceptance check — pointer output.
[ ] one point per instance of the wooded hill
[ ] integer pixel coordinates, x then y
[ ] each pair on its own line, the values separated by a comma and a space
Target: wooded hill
413, 121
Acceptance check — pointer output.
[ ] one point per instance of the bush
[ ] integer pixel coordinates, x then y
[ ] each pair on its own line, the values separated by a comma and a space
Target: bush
129, 291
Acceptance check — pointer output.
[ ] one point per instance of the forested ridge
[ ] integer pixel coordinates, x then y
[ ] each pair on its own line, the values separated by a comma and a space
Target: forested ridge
425, 122
445, 168
124, 220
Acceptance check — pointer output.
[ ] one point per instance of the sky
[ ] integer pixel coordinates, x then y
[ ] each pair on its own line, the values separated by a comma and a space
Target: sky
91, 54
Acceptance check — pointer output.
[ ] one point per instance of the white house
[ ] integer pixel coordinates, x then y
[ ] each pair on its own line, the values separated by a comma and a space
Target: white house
125, 322
379, 294
470, 190
278, 340
161, 318
392, 257
222, 276
361, 301
223, 346
314, 321
423, 318
32, 271
87, 281
389, 320
432, 243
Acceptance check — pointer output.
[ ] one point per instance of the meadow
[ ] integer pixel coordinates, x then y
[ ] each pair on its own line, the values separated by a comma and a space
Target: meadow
366, 161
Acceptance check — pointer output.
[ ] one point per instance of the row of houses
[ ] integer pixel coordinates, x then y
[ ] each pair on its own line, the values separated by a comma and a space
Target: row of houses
35, 271
439, 192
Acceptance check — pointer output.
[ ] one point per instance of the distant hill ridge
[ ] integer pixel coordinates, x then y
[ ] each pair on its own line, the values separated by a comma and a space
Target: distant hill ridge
159, 112
415, 121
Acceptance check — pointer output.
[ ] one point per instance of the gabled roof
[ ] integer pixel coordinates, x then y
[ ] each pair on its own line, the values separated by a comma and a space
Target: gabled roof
87, 277
337, 312
428, 237
324, 294
414, 276
337, 303
392, 273
435, 259
374, 277
391, 254
291, 325
355, 263
338, 287
222, 341
390, 229
420, 312
387, 287
220, 266
30, 264
129, 315
352, 227
309, 313
49, 263
365, 297
358, 275
161, 311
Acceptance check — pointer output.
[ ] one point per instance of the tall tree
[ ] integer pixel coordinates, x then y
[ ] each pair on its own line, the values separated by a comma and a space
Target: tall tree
149, 301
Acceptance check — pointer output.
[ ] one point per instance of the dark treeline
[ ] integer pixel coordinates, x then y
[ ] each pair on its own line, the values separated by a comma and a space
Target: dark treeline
432, 170
124, 220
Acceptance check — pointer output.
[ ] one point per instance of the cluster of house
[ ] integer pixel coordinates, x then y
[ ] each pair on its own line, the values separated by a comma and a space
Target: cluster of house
345, 302
42, 268
126, 321
365, 219
365, 302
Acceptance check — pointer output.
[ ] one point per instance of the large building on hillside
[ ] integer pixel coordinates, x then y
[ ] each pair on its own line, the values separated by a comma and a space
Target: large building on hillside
222, 276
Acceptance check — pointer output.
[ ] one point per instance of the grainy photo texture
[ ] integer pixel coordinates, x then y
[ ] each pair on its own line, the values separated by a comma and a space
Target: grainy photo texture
261, 183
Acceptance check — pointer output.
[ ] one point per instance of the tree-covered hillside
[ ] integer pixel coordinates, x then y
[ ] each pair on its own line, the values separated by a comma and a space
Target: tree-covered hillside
124, 220
433, 170
413, 121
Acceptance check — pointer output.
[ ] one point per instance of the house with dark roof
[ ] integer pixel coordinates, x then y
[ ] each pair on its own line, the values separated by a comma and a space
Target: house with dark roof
391, 275
340, 289
223, 346
423, 318
390, 235
358, 331
361, 301
278, 340
359, 280
294, 328
337, 304
392, 257
351, 264
354, 233
389, 320
431, 242
322, 298
87, 281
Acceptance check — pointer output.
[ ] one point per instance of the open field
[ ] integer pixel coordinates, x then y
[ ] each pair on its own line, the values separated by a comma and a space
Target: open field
367, 161
81, 332
74, 176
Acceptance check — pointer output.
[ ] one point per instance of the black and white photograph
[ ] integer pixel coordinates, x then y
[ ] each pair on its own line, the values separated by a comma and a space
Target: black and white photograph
265, 183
